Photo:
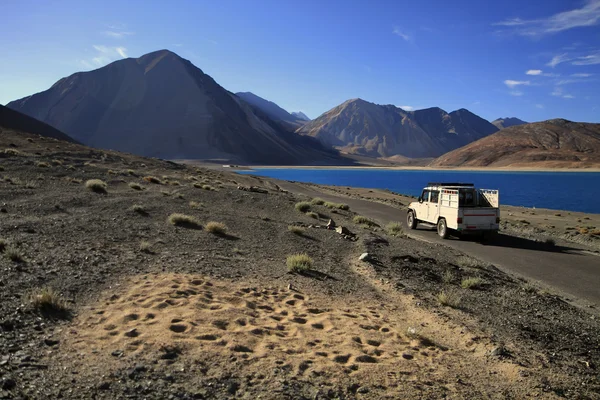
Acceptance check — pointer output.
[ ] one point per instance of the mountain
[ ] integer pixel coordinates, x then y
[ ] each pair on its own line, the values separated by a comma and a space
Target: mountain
553, 143
16, 121
300, 115
161, 105
271, 109
507, 122
359, 127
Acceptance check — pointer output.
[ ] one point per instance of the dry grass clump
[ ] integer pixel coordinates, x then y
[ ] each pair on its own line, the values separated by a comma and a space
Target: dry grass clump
339, 206
3, 245
71, 167
195, 204
303, 206
153, 179
31, 184
216, 228
297, 230
146, 247
43, 164
47, 301
138, 208
359, 219
96, 185
299, 262
13, 253
471, 283
317, 201
131, 172
449, 299
208, 187
57, 162
395, 229
165, 192
188, 221
13, 152
448, 277
136, 186
468, 262
174, 183
312, 215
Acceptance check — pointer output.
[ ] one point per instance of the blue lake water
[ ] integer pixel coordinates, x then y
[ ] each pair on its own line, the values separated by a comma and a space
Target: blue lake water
573, 191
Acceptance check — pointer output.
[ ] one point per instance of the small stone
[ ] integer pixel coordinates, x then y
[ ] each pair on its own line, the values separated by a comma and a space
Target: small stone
8, 384
104, 386
117, 353
51, 342
364, 257
363, 390
407, 356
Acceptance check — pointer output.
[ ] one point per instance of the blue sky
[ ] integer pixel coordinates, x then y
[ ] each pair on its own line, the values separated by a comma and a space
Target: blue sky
531, 59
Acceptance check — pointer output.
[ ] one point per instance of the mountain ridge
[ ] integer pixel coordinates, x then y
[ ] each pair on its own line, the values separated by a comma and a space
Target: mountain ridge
507, 122
161, 105
365, 128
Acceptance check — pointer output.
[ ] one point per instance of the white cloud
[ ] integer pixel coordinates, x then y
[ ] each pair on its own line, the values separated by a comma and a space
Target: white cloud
117, 34
512, 84
557, 92
403, 35
588, 15
534, 72
558, 59
540, 106
591, 59
581, 75
407, 108
568, 96
516, 93
107, 54
177, 44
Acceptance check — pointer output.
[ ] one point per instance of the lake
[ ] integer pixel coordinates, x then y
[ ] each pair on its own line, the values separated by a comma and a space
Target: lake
572, 191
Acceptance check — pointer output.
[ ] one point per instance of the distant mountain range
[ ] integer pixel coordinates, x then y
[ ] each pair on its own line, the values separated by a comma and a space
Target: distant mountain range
271, 109
359, 127
555, 143
300, 115
161, 105
507, 122
16, 121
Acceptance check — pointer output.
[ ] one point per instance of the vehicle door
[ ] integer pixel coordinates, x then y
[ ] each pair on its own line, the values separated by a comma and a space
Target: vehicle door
433, 206
423, 212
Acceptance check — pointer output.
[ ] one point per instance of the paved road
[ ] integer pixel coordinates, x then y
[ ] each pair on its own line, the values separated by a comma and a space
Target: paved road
574, 272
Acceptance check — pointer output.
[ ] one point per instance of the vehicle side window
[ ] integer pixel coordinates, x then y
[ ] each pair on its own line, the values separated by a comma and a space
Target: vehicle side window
425, 195
435, 196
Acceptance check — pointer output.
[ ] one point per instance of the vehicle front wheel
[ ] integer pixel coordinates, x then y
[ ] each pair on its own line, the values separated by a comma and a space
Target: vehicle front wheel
442, 229
411, 221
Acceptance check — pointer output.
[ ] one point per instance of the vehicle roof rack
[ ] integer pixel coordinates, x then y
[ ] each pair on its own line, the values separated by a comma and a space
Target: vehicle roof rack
449, 184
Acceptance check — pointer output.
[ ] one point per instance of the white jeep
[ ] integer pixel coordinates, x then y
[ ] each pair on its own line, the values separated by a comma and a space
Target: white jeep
456, 207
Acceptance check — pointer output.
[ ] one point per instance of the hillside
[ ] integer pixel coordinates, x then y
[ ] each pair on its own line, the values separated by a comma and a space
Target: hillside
161, 105
364, 128
14, 120
125, 276
507, 122
271, 109
554, 144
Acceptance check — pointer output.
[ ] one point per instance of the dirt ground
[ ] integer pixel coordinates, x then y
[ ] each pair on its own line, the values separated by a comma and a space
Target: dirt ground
157, 310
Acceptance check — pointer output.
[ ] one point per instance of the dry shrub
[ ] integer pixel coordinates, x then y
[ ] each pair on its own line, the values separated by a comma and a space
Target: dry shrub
471, 283
153, 179
96, 185
14, 254
303, 206
47, 302
216, 228
450, 299
317, 201
183, 220
359, 219
299, 263
395, 229
312, 215
297, 230
136, 186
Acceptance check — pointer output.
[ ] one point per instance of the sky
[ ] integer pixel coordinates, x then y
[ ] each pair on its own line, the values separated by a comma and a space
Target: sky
534, 60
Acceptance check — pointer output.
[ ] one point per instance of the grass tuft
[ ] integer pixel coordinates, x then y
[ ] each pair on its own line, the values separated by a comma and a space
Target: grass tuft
196, 205
312, 215
13, 152
449, 299
96, 185
339, 206
131, 172
471, 283
3, 245
14, 254
317, 201
448, 277
297, 230
43, 164
469, 262
303, 206
153, 179
299, 263
47, 302
359, 219
395, 229
136, 186
146, 247
138, 208
216, 228
178, 219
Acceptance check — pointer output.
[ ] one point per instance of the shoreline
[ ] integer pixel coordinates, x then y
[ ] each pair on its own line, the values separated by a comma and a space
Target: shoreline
420, 168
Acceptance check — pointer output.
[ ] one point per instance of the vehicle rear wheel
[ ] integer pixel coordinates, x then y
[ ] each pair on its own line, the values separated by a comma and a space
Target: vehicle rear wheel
411, 221
442, 229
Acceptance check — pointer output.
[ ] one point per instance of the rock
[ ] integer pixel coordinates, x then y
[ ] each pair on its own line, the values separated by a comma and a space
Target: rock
51, 342
117, 353
363, 390
132, 333
104, 386
8, 384
407, 356
499, 351
342, 230
331, 225
364, 257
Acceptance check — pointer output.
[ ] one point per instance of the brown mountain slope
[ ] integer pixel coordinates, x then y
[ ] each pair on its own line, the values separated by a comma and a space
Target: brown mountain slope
14, 120
556, 143
161, 105
364, 128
